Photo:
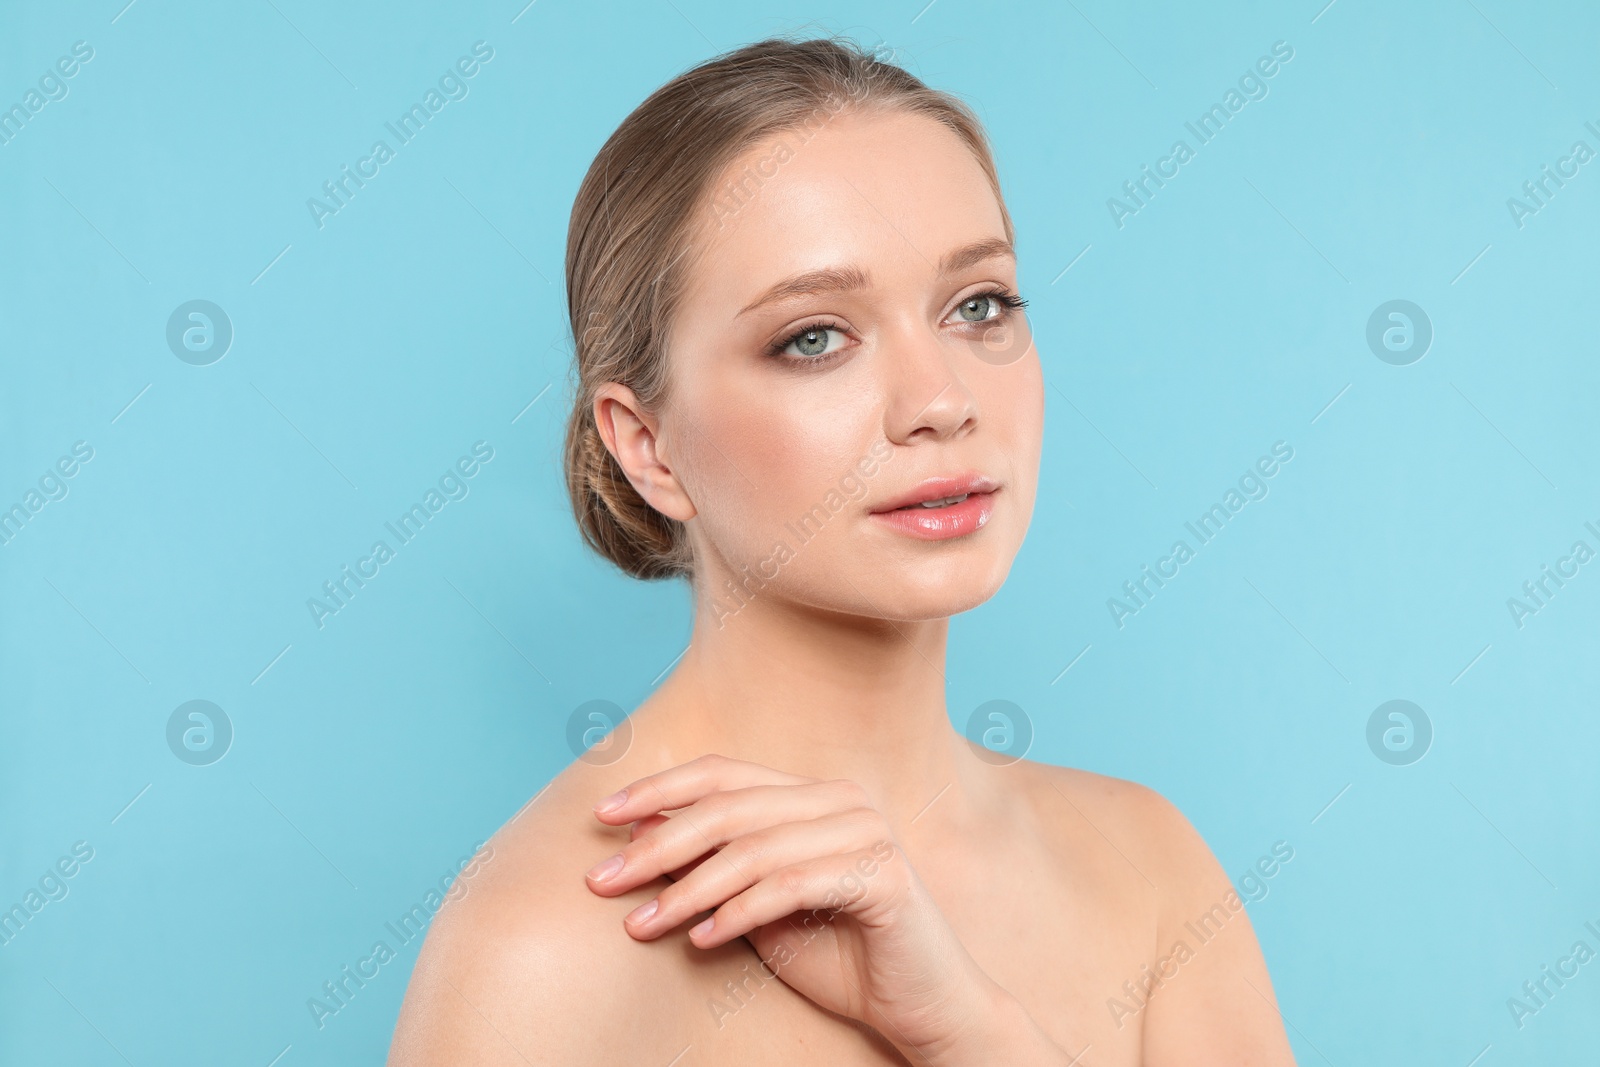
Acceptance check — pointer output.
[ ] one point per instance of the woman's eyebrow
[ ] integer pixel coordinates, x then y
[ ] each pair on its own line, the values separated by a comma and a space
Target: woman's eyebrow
843, 279
971, 255
826, 280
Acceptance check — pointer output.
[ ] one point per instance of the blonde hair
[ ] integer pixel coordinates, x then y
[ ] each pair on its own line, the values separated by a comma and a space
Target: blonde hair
631, 229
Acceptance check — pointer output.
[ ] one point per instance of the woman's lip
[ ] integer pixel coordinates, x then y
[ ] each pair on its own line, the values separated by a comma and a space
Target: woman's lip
942, 523
965, 484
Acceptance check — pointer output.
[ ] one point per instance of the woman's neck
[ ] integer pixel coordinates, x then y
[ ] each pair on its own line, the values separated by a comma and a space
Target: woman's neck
817, 694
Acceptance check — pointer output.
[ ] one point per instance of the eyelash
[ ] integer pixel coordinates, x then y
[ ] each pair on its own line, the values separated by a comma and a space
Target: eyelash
1011, 302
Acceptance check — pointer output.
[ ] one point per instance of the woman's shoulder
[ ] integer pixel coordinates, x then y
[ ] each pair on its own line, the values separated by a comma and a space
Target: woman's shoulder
1143, 855
1137, 823
527, 965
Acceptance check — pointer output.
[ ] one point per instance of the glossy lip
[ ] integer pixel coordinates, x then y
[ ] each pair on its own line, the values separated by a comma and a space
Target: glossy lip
938, 488
943, 523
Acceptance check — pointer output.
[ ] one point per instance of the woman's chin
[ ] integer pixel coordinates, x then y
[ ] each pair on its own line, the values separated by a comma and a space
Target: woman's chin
863, 578
927, 590
950, 600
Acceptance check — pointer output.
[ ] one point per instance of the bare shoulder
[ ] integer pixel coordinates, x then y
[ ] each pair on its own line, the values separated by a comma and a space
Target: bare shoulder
527, 966
1204, 996
1151, 834
1133, 819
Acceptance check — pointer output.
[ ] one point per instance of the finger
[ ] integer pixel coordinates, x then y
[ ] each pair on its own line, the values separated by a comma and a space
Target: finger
686, 783
642, 826
754, 857
816, 888
650, 822
712, 822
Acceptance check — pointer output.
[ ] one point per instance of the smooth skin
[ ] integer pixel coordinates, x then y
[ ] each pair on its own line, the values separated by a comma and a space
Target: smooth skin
796, 780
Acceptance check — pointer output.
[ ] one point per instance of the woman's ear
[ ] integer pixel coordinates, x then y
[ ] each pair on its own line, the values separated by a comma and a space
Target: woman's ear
630, 435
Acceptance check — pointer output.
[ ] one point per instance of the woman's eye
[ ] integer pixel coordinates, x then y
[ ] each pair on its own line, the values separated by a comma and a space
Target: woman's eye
813, 342
978, 308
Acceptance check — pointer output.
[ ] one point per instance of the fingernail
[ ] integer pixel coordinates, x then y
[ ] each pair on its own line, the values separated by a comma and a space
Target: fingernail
643, 911
703, 927
606, 869
613, 801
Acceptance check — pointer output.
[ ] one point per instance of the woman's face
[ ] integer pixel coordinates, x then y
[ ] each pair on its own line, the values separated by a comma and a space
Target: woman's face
844, 346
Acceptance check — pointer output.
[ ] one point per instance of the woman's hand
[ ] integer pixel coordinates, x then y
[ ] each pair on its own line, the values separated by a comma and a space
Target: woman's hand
810, 874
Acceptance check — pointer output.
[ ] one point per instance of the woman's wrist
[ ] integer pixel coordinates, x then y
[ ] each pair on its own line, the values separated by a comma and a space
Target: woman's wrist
995, 1029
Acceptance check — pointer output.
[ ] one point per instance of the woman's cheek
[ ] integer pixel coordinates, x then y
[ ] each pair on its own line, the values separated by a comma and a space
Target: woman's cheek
1029, 447
1018, 399
744, 461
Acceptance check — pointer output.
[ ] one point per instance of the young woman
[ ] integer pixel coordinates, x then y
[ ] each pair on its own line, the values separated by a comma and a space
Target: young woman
807, 385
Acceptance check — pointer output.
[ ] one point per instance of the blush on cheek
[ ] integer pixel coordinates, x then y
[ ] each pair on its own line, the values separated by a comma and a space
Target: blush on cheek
730, 462
758, 465
1019, 403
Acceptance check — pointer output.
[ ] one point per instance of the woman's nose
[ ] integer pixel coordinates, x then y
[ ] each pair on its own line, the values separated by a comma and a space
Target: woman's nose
926, 386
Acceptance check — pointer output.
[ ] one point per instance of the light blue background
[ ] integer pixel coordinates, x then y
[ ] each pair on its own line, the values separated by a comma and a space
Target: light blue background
368, 355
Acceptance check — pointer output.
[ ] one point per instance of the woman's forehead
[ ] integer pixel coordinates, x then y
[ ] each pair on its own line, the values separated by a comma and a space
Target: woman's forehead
894, 189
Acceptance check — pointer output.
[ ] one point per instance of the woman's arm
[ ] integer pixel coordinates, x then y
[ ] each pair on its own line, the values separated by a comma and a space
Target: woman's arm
497, 986
523, 969
1211, 1002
